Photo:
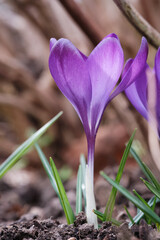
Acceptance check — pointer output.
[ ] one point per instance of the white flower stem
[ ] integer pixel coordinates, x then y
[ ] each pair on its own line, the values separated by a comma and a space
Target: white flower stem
90, 198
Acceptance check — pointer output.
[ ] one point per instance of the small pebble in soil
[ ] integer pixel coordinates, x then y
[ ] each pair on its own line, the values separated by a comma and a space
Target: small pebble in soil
72, 238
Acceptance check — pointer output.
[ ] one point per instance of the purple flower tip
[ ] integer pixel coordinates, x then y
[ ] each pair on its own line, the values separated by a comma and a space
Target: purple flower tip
52, 43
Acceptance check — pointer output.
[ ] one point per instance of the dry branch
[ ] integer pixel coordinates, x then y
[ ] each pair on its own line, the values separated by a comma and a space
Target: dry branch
152, 35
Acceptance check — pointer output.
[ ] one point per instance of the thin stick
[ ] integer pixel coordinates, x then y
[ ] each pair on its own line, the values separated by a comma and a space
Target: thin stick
152, 35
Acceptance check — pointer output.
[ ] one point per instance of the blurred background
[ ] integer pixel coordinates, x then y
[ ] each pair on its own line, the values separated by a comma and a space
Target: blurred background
29, 96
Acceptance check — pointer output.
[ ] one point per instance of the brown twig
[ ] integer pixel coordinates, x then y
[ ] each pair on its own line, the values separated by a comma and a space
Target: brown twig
152, 35
89, 26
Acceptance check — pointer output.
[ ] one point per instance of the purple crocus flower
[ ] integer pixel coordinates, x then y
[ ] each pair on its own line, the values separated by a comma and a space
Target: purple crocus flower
137, 92
87, 82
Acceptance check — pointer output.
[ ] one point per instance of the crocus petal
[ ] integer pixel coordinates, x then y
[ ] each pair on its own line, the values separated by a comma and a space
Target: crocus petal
137, 93
52, 43
68, 68
105, 64
140, 83
157, 72
157, 65
112, 35
127, 66
137, 66
83, 56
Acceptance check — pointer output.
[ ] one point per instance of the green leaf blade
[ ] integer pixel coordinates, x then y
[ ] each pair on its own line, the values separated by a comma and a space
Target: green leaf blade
129, 215
64, 200
24, 147
79, 191
140, 214
152, 178
99, 214
140, 198
140, 163
148, 211
47, 168
111, 201
152, 188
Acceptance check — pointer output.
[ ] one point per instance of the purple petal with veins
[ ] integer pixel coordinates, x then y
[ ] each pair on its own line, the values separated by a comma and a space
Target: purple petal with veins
132, 71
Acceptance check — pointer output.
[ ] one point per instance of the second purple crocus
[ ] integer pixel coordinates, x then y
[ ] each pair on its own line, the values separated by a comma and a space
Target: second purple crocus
87, 82
137, 93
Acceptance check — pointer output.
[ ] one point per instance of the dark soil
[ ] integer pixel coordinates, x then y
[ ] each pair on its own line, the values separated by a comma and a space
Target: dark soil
50, 229
29, 209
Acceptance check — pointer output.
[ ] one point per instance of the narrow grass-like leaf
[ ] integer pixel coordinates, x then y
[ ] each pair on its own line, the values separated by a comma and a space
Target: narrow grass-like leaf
151, 188
47, 168
140, 163
129, 215
64, 200
79, 191
24, 147
140, 198
111, 201
153, 208
147, 172
140, 214
147, 211
115, 222
152, 178
100, 216
154, 204
83, 169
